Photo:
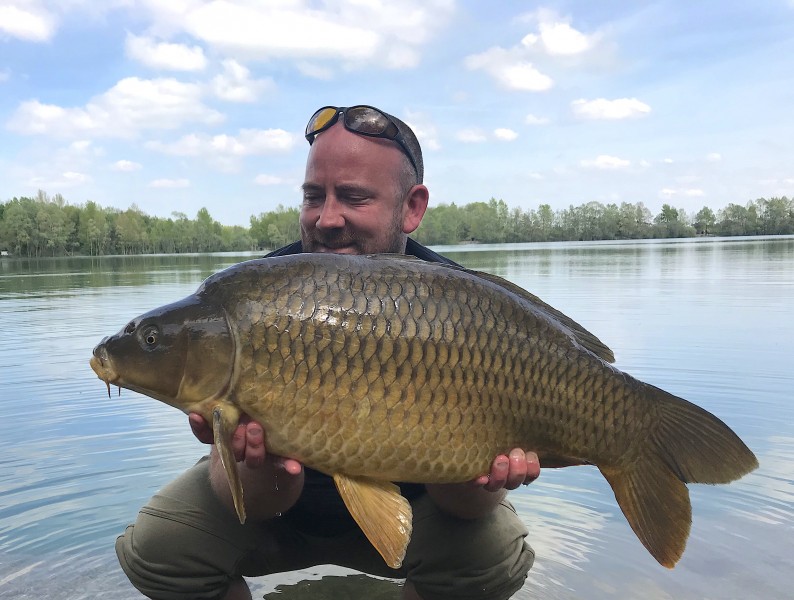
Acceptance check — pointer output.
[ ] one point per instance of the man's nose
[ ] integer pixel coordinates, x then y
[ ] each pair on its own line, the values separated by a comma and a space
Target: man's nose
332, 215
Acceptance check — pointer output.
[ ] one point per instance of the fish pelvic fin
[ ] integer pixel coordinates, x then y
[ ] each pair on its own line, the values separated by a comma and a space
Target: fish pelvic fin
224, 422
383, 514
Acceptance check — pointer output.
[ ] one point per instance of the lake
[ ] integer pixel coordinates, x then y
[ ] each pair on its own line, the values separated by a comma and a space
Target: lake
708, 319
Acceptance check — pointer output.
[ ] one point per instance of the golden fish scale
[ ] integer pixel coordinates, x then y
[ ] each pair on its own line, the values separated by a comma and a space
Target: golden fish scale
418, 373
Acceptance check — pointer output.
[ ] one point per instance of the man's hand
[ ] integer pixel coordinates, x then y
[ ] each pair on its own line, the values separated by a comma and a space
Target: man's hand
476, 498
510, 471
248, 443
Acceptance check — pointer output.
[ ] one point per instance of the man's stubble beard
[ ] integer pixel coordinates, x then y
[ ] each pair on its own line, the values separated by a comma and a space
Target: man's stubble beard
341, 238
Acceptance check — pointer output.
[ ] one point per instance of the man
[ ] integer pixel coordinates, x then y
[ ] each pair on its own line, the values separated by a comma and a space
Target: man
362, 194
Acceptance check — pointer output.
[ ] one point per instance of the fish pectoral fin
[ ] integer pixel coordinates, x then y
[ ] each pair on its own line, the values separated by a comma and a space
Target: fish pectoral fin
656, 504
224, 422
383, 514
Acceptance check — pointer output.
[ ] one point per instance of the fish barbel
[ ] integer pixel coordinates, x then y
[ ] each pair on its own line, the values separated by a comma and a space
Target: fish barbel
376, 369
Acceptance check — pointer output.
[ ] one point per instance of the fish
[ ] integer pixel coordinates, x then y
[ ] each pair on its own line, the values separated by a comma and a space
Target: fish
386, 368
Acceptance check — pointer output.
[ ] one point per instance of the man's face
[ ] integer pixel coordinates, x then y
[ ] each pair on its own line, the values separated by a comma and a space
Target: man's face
352, 201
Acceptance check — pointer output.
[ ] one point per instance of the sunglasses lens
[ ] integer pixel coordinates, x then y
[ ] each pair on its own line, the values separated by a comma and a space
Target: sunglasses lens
321, 119
366, 120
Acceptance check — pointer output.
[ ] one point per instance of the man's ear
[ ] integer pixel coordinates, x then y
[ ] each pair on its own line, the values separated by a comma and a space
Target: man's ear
414, 208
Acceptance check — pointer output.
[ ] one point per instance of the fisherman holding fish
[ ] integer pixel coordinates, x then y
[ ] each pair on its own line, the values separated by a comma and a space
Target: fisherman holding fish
362, 194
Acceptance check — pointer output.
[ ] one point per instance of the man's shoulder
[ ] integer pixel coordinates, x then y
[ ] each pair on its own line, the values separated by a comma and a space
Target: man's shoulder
293, 248
412, 247
416, 249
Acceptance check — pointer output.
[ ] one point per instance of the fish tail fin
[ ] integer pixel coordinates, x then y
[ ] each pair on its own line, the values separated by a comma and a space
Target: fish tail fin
656, 505
696, 445
688, 445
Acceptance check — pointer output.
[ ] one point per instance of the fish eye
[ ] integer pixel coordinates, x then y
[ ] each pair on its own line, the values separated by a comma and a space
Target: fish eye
150, 336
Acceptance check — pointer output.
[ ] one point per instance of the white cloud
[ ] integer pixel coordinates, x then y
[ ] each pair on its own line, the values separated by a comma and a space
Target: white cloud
315, 70
67, 179
125, 166
535, 120
130, 106
75, 177
509, 71
558, 38
358, 32
688, 192
164, 55
470, 136
425, 130
80, 145
714, 157
169, 183
346, 34
402, 57
247, 143
265, 179
605, 161
668, 161
5, 75
235, 83
601, 108
505, 135
26, 21
279, 32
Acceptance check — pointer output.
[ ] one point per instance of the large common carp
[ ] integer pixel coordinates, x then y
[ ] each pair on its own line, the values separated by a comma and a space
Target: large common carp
375, 369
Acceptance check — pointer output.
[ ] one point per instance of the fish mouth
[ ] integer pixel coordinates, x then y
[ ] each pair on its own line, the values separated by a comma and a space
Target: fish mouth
100, 363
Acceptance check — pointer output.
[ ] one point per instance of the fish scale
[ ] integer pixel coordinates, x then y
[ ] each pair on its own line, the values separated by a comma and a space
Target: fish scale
386, 368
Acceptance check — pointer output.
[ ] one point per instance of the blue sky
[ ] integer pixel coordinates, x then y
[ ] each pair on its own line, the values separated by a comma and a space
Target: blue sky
183, 104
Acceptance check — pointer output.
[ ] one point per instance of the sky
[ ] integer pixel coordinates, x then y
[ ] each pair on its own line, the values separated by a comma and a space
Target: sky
183, 104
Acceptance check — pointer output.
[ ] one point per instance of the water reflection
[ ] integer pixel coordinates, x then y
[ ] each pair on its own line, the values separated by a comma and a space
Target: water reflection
709, 320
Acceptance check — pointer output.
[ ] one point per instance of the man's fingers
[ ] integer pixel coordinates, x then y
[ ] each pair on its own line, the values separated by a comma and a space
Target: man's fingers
533, 468
291, 466
200, 428
254, 445
500, 470
518, 469
239, 440
509, 472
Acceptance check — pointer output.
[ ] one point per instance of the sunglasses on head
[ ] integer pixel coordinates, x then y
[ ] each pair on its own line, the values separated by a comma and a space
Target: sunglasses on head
363, 120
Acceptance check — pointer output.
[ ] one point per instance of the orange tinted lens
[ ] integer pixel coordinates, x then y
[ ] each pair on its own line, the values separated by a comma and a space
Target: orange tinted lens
320, 119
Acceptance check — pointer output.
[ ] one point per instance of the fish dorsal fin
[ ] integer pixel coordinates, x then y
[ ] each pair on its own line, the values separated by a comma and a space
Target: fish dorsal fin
224, 422
396, 256
582, 336
383, 514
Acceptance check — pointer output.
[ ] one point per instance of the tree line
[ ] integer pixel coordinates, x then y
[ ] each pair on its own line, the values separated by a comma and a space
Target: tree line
495, 222
49, 226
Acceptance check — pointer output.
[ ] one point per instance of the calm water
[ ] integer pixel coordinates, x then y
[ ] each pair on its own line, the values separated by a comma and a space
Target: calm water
711, 320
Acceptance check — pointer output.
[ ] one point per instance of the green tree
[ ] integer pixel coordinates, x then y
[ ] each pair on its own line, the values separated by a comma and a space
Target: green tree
705, 220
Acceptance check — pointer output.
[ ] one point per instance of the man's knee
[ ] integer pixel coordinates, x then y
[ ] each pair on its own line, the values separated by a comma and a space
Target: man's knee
181, 545
168, 560
486, 559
